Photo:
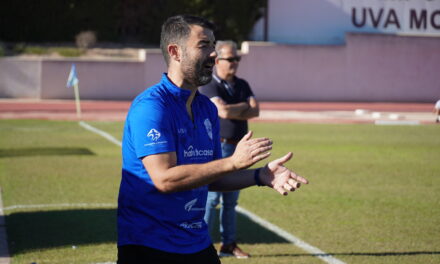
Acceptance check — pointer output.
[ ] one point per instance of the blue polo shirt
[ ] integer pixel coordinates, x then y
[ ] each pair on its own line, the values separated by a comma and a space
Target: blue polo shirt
158, 122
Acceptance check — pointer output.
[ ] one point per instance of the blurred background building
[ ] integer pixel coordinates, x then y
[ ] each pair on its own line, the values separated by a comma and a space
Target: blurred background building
302, 50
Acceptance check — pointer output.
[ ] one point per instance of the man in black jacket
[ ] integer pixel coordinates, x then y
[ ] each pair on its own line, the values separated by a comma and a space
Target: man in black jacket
236, 104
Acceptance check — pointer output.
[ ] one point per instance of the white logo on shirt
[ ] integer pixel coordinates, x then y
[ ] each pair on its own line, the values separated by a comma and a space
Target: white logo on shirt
195, 225
154, 134
193, 152
208, 127
189, 206
181, 130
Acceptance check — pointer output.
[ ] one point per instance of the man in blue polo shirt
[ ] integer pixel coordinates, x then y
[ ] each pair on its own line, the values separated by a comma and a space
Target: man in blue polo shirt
172, 156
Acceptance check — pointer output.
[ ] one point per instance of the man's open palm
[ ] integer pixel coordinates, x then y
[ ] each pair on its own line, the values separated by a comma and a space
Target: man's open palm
280, 178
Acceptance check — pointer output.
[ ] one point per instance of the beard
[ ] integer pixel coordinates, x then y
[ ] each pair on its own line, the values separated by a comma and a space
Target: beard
195, 71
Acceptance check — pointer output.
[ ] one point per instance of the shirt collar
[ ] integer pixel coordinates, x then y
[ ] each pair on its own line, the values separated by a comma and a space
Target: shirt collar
176, 91
215, 76
218, 79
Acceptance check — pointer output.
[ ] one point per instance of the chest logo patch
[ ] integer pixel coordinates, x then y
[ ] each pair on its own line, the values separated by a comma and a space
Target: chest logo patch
153, 134
208, 127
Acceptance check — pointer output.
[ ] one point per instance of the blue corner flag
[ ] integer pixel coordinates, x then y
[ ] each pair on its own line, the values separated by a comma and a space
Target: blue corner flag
73, 81
73, 78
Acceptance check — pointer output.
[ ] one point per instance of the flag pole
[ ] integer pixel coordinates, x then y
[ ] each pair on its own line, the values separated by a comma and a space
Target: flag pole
77, 101
72, 81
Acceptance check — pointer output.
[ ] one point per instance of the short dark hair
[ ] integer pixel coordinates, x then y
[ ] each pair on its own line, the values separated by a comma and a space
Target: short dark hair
176, 29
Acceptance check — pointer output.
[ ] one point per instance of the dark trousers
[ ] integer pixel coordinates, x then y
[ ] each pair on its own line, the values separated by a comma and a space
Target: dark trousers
134, 254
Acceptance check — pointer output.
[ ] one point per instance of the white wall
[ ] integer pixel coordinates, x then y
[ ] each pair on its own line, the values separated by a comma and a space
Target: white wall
98, 79
369, 67
20, 78
327, 21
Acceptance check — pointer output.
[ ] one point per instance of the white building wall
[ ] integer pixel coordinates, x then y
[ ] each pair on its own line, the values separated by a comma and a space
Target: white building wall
325, 22
20, 78
369, 67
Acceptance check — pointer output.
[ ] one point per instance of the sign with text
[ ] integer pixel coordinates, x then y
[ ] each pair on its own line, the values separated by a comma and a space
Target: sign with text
327, 21
395, 16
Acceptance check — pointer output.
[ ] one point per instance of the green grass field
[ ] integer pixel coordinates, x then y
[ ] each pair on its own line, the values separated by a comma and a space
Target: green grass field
373, 197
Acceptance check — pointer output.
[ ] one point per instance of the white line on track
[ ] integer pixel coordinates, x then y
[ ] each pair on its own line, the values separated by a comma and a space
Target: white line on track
277, 230
397, 122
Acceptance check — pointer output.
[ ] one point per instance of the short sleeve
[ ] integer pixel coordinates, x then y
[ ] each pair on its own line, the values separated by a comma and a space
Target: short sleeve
248, 89
151, 129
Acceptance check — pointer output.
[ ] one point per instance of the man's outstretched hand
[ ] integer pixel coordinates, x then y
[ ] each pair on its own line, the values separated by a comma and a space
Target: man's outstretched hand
280, 178
250, 151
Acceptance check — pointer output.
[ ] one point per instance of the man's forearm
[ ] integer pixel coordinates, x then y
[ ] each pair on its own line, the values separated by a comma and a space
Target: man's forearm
252, 110
169, 177
187, 177
235, 180
234, 111
249, 113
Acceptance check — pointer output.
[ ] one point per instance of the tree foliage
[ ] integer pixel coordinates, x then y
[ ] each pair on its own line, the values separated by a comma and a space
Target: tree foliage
127, 21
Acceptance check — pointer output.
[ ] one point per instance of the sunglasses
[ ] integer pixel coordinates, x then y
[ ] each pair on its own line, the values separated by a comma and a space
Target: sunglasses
231, 59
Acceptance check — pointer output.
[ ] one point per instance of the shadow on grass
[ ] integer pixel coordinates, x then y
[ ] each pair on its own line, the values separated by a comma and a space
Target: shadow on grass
47, 151
46, 229
29, 231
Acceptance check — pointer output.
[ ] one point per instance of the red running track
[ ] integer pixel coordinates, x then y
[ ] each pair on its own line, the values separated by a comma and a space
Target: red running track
116, 110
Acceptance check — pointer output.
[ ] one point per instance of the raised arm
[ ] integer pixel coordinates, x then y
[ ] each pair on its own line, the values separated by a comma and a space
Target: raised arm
168, 177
